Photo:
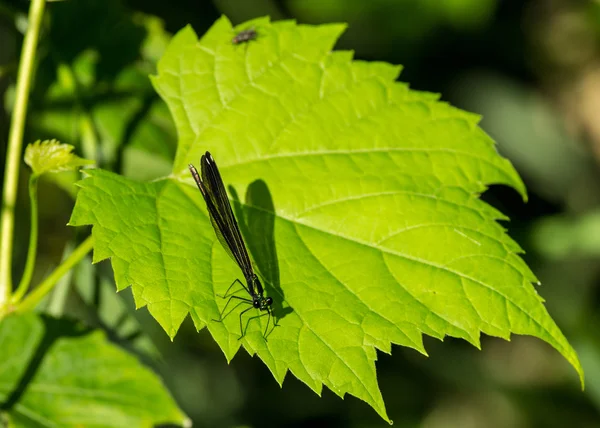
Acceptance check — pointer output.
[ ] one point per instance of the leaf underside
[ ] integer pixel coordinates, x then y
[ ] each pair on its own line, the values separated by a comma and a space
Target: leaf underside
358, 199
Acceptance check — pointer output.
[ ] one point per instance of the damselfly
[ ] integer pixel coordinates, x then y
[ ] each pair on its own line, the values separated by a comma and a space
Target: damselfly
228, 232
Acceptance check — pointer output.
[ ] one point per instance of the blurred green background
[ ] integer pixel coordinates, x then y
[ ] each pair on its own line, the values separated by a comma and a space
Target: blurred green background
531, 68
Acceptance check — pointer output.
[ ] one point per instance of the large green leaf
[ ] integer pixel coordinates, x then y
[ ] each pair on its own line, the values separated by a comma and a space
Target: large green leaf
54, 373
358, 199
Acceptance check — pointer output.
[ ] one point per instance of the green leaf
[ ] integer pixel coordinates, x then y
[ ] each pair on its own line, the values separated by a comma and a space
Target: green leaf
54, 373
51, 156
563, 236
360, 209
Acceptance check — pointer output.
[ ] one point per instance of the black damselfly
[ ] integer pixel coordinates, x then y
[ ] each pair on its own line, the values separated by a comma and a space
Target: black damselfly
227, 230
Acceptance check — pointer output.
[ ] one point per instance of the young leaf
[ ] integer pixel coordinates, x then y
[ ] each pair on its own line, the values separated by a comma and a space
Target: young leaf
51, 156
54, 373
360, 209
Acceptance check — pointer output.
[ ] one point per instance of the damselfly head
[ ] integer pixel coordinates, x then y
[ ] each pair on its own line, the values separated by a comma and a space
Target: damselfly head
262, 303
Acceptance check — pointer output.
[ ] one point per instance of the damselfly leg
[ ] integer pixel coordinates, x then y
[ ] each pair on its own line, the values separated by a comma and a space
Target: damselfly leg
237, 291
241, 300
232, 296
258, 316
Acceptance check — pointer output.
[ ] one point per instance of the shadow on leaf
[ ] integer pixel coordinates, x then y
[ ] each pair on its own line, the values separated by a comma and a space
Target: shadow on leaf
257, 224
54, 329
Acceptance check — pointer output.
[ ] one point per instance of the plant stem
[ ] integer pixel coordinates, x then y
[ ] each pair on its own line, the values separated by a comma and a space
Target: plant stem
33, 239
58, 298
33, 298
15, 144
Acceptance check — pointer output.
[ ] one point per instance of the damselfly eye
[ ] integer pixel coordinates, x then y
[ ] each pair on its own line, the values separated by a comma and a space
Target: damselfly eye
256, 303
269, 301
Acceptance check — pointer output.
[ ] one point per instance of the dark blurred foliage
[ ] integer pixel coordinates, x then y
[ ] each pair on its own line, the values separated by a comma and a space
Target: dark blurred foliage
531, 68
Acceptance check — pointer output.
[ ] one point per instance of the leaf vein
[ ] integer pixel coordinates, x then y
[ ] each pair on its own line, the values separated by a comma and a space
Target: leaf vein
306, 325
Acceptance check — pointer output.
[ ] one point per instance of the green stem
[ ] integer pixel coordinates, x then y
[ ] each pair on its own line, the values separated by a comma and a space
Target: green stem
58, 298
35, 297
33, 239
15, 144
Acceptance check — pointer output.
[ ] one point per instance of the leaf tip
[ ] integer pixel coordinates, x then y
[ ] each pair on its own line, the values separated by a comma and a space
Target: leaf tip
515, 181
223, 19
579, 369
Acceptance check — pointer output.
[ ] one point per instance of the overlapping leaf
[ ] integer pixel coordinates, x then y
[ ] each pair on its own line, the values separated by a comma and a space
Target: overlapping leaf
358, 199
54, 373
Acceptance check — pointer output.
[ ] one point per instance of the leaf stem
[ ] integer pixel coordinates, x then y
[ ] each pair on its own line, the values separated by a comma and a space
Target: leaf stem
31, 301
15, 144
33, 240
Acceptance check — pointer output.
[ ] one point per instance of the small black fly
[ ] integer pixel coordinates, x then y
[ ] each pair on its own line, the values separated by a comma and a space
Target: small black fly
245, 36
228, 232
